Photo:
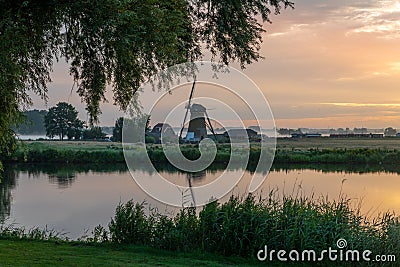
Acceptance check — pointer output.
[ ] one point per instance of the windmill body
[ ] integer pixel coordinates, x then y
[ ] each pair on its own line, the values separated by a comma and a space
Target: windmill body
197, 130
199, 121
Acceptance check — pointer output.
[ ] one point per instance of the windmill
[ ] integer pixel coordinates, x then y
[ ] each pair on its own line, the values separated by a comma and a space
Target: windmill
199, 121
197, 131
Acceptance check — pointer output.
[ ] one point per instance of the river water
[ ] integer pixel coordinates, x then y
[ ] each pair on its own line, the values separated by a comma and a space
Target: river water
73, 199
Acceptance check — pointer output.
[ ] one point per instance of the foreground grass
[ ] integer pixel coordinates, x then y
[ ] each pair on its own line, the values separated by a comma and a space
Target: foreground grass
225, 234
50, 253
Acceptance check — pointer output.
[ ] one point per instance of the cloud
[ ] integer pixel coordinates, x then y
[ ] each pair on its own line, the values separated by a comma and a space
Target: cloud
381, 19
395, 66
393, 105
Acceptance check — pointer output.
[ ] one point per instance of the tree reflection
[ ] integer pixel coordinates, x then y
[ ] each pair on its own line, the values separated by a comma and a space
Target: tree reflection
7, 184
64, 178
64, 175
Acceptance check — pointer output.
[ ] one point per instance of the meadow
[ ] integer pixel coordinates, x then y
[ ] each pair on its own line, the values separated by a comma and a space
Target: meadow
384, 151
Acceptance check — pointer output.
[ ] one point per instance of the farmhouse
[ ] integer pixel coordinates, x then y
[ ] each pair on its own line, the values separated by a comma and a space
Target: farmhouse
161, 129
242, 134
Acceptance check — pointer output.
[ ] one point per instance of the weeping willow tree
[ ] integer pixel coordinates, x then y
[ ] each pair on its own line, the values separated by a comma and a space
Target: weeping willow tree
119, 43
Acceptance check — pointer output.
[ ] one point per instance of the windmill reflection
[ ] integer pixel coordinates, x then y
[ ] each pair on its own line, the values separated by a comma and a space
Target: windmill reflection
188, 198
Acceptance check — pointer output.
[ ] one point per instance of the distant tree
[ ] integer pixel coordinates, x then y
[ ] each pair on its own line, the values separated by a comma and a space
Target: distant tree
284, 131
62, 120
134, 123
33, 122
390, 131
75, 131
360, 130
94, 133
117, 132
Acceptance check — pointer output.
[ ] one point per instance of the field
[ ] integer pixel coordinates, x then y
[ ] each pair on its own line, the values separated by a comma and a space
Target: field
371, 151
282, 143
338, 143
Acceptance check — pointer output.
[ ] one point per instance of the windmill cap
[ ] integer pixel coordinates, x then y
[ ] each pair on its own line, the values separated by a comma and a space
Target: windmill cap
198, 108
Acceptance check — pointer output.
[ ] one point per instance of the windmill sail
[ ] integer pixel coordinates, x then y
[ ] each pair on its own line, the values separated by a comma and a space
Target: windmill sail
187, 108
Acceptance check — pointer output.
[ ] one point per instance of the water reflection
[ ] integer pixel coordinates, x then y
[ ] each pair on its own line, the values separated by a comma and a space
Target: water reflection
7, 184
62, 179
64, 170
339, 168
73, 198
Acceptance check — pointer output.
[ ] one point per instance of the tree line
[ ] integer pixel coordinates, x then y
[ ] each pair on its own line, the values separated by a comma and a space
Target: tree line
62, 121
389, 131
59, 121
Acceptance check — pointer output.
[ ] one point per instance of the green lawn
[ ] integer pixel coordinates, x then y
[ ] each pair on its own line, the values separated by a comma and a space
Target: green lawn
50, 253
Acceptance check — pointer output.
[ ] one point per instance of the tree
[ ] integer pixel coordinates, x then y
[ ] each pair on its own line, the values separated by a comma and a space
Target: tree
121, 43
76, 130
390, 131
117, 131
135, 123
94, 133
62, 120
33, 123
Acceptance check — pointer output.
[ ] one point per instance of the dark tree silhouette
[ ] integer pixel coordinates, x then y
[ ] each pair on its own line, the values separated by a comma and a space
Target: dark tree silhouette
62, 120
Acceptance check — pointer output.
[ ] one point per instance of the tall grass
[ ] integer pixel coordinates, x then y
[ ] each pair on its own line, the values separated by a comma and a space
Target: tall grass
242, 226
11, 231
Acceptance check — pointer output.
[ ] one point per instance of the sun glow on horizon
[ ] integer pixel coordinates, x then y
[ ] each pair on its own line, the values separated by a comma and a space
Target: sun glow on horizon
364, 104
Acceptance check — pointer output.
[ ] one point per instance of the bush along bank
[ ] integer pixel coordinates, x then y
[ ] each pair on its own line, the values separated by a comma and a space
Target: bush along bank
38, 152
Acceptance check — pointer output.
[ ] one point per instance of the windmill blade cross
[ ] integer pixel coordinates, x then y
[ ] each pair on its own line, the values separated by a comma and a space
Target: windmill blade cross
210, 126
187, 108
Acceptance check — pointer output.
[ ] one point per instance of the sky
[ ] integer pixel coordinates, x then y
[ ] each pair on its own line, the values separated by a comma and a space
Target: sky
327, 64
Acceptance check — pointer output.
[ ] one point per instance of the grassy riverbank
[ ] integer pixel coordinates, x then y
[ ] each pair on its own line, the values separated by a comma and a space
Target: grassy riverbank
51, 253
320, 150
216, 235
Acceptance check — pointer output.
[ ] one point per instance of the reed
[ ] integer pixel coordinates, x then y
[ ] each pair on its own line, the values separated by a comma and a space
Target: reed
242, 226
